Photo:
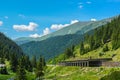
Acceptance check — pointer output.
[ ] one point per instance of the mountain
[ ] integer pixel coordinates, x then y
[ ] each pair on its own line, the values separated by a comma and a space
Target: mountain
77, 28
55, 43
103, 43
7, 46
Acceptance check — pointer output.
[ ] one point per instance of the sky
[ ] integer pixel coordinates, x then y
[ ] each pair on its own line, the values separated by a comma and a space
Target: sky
35, 18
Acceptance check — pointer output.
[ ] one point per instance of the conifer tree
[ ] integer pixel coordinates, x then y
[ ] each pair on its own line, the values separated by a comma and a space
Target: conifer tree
21, 73
13, 62
82, 50
34, 62
39, 71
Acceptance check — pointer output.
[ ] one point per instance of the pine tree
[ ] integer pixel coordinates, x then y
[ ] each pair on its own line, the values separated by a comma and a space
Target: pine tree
34, 62
82, 49
27, 63
13, 62
21, 74
40, 68
105, 48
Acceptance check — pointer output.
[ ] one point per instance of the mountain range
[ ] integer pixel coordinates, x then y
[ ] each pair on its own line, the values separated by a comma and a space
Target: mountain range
55, 43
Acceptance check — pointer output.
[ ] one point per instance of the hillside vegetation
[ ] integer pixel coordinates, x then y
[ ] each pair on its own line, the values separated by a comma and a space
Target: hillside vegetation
55, 43
103, 43
7, 47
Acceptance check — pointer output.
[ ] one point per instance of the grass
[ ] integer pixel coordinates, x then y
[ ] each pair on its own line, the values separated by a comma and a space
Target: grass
78, 73
5, 77
88, 73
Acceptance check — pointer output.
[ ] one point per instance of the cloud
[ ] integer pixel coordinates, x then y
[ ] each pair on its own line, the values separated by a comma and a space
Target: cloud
31, 27
81, 6
53, 27
60, 26
6, 17
93, 19
1, 23
88, 2
74, 21
46, 31
35, 35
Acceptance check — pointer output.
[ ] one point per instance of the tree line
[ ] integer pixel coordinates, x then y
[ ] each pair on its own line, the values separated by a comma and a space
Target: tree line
101, 36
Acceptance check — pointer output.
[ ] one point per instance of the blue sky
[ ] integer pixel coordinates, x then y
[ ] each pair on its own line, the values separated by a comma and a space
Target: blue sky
35, 18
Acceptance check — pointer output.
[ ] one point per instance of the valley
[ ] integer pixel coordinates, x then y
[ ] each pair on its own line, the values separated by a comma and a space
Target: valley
100, 42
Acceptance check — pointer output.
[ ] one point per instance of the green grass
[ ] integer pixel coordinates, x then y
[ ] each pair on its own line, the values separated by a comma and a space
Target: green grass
5, 77
78, 73
92, 54
87, 73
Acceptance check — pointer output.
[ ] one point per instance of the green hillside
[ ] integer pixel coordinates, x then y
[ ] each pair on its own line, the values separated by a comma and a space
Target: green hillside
104, 42
76, 28
7, 47
55, 43
79, 73
108, 41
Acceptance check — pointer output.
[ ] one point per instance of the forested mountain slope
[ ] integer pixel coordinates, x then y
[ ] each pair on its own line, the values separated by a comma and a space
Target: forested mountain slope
76, 28
104, 42
8, 47
55, 43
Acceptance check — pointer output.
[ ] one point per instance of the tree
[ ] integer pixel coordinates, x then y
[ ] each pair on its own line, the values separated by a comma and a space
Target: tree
14, 62
105, 48
3, 70
68, 53
82, 50
27, 63
21, 74
40, 68
2, 61
34, 62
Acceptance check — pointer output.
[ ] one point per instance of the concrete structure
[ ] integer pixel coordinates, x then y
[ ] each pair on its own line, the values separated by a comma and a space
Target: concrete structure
90, 63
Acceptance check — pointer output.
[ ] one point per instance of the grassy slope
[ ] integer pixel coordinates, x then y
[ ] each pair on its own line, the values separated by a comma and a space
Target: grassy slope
30, 76
78, 73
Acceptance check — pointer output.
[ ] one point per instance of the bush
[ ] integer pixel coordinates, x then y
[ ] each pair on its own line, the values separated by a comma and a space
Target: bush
113, 76
105, 48
3, 70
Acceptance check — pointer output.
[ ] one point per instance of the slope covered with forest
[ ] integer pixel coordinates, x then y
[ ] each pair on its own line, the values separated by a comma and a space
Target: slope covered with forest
55, 43
76, 28
7, 47
103, 43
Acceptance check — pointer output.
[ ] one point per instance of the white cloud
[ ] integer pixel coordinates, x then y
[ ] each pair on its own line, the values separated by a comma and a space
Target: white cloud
88, 2
46, 31
81, 6
74, 21
93, 19
53, 27
1, 23
60, 26
31, 27
6, 17
35, 35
